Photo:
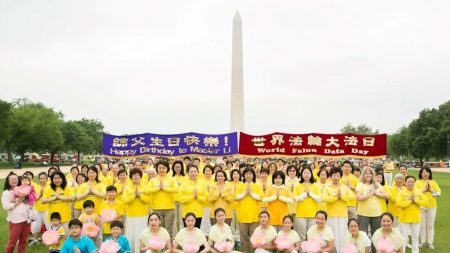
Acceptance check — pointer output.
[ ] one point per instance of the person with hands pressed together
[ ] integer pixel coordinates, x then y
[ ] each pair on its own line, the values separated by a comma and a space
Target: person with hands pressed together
77, 243
93, 189
192, 196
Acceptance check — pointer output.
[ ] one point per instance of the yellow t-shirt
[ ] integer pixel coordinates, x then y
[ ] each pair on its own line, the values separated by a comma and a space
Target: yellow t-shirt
39, 207
350, 180
89, 218
421, 185
393, 193
409, 211
369, 207
337, 207
187, 200
322, 205
118, 207
136, 206
248, 208
162, 199
221, 200
307, 207
59, 206
98, 187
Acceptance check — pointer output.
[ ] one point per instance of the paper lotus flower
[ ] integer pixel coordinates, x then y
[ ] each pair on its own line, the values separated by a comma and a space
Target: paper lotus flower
191, 247
90, 230
109, 246
258, 239
22, 190
283, 243
50, 237
312, 245
385, 245
156, 243
349, 248
108, 215
224, 246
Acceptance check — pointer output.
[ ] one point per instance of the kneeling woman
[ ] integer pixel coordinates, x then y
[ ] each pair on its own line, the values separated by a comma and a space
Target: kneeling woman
357, 237
387, 236
288, 239
263, 237
322, 231
154, 238
221, 238
190, 239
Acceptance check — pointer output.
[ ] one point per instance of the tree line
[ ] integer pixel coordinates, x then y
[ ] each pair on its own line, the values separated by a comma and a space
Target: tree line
28, 126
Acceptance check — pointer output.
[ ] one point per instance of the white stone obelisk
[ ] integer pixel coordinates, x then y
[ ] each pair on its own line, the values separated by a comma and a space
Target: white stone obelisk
237, 77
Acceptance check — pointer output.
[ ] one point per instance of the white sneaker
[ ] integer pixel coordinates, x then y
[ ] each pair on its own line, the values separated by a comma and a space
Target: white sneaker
408, 245
431, 246
33, 242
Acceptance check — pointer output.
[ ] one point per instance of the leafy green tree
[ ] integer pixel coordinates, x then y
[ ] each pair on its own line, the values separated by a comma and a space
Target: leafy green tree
94, 130
76, 138
360, 129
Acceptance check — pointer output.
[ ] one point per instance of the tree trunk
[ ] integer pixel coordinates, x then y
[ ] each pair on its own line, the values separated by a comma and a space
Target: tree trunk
52, 155
79, 158
9, 152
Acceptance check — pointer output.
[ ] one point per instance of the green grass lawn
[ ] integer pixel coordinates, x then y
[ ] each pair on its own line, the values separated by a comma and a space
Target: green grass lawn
442, 220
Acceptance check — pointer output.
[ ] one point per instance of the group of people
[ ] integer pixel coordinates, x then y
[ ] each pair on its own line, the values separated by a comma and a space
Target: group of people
247, 204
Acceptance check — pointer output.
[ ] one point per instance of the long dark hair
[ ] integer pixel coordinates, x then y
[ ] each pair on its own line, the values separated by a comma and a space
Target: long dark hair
311, 179
173, 168
93, 168
7, 185
63, 177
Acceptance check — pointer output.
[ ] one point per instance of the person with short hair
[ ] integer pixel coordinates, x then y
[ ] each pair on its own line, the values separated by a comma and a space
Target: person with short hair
55, 221
76, 242
116, 228
393, 191
113, 205
278, 196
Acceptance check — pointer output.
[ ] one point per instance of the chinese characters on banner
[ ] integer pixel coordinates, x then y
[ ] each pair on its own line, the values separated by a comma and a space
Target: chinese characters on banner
335, 145
170, 145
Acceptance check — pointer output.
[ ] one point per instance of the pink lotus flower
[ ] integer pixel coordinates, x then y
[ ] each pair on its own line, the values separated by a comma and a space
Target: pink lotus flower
22, 190
50, 237
349, 248
283, 243
385, 245
108, 215
191, 247
109, 246
156, 243
90, 230
224, 246
312, 245
258, 239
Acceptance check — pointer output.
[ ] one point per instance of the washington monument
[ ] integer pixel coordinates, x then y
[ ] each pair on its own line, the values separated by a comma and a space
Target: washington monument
237, 79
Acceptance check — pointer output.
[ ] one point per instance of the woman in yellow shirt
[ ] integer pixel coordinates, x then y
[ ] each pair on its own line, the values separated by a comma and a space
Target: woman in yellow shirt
192, 196
221, 195
41, 209
136, 202
278, 197
431, 190
379, 178
393, 191
337, 196
235, 181
291, 181
368, 193
59, 196
178, 174
307, 197
93, 189
78, 203
409, 200
122, 183
323, 176
162, 188
248, 194
265, 182
207, 180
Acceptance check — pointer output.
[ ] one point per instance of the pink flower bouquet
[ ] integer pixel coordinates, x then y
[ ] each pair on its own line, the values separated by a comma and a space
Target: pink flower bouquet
191, 247
109, 246
156, 244
385, 245
283, 243
349, 248
224, 246
90, 230
50, 237
258, 239
108, 215
312, 245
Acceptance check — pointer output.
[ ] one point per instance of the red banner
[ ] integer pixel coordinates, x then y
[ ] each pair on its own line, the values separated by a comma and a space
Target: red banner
313, 144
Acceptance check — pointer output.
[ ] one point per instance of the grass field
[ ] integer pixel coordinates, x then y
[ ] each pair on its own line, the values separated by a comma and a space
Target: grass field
442, 220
